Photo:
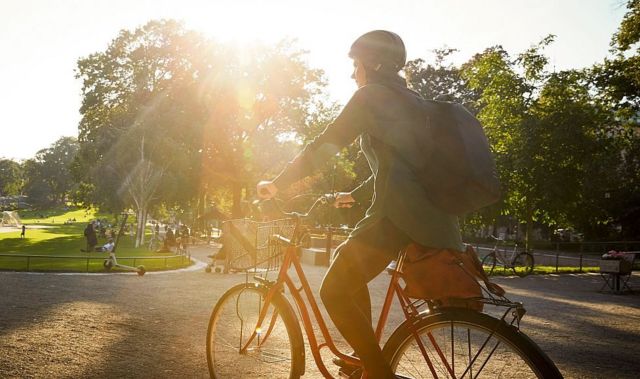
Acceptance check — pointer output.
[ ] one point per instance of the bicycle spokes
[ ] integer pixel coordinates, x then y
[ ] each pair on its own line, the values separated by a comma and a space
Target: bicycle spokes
456, 350
249, 339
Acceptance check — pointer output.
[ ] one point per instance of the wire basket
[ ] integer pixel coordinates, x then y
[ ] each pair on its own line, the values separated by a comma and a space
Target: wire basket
249, 246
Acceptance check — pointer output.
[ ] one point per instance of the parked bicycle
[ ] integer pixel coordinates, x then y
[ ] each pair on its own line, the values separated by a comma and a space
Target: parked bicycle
182, 246
155, 242
521, 263
254, 332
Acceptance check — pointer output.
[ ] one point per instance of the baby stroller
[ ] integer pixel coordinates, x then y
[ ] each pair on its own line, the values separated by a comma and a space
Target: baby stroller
218, 262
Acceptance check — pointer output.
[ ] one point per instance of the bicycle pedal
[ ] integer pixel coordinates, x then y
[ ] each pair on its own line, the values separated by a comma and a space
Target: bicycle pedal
350, 372
344, 374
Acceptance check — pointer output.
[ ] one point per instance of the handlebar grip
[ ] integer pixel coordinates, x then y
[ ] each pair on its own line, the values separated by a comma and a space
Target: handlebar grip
282, 239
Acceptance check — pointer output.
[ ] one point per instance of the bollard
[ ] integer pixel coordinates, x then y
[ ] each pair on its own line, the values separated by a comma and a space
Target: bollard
87, 264
329, 241
580, 262
557, 257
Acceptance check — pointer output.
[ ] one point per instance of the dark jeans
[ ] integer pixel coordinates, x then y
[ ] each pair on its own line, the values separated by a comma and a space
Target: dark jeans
91, 245
345, 294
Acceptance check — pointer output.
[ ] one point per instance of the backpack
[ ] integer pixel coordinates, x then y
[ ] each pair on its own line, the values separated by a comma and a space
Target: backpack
447, 277
451, 157
460, 173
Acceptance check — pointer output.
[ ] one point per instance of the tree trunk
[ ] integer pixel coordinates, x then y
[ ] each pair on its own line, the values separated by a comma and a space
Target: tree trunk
202, 200
140, 227
144, 226
528, 234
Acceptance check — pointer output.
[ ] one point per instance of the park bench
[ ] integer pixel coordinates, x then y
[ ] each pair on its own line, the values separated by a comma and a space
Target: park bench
616, 271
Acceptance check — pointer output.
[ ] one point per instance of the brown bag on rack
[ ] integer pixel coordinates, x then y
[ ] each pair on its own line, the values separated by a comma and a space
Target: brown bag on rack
448, 277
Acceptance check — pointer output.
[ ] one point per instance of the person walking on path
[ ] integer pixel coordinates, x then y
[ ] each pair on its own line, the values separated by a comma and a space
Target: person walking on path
382, 111
24, 229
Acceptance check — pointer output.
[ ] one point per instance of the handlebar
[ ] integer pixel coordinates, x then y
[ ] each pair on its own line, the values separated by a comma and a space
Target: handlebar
320, 199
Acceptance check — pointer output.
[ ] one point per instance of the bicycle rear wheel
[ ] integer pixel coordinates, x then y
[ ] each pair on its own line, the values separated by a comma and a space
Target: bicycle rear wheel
461, 344
276, 351
523, 264
489, 263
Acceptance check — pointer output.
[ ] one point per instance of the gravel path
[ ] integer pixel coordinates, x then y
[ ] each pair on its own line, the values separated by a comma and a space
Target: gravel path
125, 326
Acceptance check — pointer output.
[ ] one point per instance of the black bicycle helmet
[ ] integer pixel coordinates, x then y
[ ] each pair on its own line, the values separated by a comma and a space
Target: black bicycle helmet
381, 50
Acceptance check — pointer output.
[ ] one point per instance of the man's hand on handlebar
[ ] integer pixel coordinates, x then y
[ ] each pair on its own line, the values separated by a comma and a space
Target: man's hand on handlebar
266, 189
343, 200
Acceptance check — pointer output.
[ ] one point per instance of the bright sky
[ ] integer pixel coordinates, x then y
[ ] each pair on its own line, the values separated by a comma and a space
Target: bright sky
41, 40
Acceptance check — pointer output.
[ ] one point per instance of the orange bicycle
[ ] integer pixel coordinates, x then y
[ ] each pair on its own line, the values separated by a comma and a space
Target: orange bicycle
254, 331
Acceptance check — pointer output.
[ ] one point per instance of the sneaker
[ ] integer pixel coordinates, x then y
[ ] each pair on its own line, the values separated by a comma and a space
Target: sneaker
347, 370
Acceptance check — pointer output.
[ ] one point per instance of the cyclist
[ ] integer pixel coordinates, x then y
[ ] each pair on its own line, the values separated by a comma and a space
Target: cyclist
381, 113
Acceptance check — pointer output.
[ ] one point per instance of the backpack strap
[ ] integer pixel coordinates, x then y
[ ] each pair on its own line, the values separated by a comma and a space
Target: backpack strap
479, 272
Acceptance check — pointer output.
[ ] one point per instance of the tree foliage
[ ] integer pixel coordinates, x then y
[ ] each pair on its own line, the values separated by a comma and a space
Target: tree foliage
11, 177
628, 33
210, 115
546, 131
438, 79
48, 177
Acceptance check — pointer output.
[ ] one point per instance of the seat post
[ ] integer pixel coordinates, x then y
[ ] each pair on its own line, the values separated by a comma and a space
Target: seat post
395, 271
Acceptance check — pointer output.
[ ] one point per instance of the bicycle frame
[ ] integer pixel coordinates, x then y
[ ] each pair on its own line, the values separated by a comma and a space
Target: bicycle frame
409, 309
501, 256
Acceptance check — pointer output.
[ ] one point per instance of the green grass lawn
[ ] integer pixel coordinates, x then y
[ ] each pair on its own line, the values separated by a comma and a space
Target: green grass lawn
60, 239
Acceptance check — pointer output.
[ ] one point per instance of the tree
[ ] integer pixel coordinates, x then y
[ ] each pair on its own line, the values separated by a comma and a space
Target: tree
582, 143
616, 83
11, 177
48, 177
136, 124
628, 33
210, 117
545, 130
258, 103
431, 81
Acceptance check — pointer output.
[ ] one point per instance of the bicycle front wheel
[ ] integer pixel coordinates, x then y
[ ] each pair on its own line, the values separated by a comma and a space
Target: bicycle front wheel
237, 347
461, 344
489, 263
523, 264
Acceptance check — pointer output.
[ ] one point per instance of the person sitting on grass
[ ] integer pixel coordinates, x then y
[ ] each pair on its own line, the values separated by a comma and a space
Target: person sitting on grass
107, 247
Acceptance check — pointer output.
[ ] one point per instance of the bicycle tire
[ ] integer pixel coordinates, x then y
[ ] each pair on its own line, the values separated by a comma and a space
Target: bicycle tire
523, 264
460, 334
489, 262
279, 354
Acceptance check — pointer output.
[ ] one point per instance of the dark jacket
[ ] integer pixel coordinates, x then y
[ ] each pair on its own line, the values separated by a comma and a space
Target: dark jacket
90, 233
382, 117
